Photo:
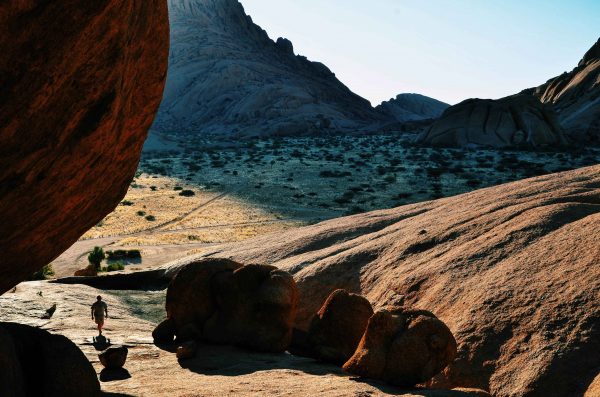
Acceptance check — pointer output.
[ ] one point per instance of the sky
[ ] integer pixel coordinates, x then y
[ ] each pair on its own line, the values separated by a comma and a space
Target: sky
450, 50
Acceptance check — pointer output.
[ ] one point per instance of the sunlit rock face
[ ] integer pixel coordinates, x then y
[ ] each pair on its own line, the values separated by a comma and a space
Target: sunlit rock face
518, 121
226, 76
81, 83
576, 97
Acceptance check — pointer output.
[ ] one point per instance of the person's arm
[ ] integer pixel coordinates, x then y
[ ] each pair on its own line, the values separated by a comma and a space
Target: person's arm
92, 312
106, 310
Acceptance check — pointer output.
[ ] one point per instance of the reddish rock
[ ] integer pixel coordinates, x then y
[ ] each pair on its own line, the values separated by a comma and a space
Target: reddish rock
256, 308
221, 301
81, 83
43, 364
404, 348
503, 267
164, 332
89, 271
337, 328
189, 297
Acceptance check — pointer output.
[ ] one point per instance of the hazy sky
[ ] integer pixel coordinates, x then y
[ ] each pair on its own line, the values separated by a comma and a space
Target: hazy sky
450, 50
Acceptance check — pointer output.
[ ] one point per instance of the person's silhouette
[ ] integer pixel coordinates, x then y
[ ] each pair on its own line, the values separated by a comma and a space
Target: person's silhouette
99, 313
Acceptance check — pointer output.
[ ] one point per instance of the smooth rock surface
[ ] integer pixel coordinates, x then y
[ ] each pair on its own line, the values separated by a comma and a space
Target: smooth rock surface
519, 121
43, 364
338, 326
575, 96
403, 348
81, 82
226, 76
512, 270
189, 297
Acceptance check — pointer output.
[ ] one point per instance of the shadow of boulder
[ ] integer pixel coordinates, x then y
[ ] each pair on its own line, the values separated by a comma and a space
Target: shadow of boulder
108, 375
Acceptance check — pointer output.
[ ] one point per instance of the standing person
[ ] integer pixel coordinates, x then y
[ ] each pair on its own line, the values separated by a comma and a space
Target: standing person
99, 312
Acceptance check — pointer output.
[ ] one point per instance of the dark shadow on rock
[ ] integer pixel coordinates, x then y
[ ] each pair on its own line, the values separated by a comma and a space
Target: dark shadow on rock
417, 391
125, 261
100, 342
233, 361
223, 360
169, 347
107, 375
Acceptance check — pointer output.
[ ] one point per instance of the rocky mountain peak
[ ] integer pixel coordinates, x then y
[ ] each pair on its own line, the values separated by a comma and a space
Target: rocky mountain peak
591, 55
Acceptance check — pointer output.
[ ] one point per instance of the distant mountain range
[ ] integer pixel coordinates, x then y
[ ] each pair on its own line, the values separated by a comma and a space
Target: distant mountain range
226, 76
564, 110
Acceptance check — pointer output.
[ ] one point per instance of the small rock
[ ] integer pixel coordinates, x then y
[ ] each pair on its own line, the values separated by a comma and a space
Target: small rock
89, 271
187, 350
49, 312
114, 357
164, 332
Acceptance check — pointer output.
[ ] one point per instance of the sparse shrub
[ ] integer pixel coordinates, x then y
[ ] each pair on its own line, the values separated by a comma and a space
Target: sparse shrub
177, 188
141, 213
123, 254
187, 193
96, 256
112, 267
43, 274
127, 203
153, 188
150, 218
390, 179
334, 174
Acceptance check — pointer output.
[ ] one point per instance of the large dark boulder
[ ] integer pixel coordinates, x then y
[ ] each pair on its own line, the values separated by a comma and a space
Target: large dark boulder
189, 297
255, 308
37, 363
221, 301
80, 84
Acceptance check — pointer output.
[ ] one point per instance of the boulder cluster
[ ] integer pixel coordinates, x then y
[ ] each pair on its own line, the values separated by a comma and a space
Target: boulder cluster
222, 301
34, 362
254, 306
400, 346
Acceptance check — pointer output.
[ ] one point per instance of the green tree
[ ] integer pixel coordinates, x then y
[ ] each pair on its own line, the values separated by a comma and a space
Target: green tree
96, 256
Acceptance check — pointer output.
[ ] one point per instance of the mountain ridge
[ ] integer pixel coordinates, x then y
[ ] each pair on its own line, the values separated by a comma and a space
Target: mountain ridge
227, 76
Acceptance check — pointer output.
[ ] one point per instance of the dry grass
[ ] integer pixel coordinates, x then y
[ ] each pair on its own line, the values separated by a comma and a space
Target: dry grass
209, 235
206, 217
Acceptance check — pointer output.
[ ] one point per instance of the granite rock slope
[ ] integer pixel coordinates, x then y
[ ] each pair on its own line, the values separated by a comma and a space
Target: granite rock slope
226, 76
512, 270
81, 83
517, 121
575, 96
